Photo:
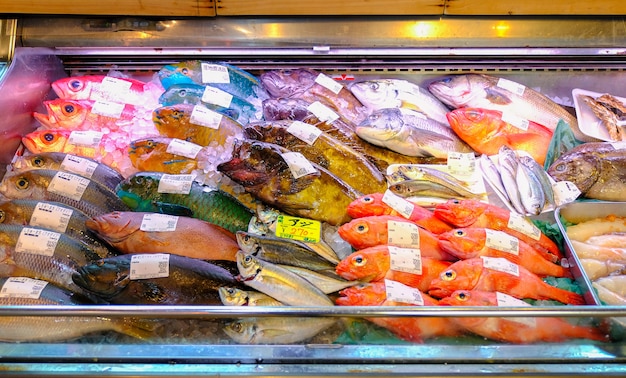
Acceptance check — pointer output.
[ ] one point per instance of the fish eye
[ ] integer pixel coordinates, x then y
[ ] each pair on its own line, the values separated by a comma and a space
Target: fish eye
374, 86
360, 261
68, 109
448, 275
184, 71
473, 115
455, 201
75, 85
182, 93
368, 199
3, 216
230, 290
22, 183
237, 327
48, 137
463, 296
459, 233
559, 168
100, 263
150, 144
139, 180
247, 259
362, 228
38, 161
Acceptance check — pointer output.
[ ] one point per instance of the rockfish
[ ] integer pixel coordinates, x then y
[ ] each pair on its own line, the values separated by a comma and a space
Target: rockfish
522, 331
394, 230
485, 131
597, 169
498, 274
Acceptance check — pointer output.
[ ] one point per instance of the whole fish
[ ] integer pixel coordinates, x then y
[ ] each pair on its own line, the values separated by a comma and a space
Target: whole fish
67, 188
490, 92
373, 264
498, 274
507, 160
327, 282
232, 296
160, 154
388, 229
262, 170
282, 251
60, 161
410, 133
311, 85
472, 242
141, 193
376, 204
276, 330
429, 188
416, 329
472, 213
541, 175
108, 88
279, 283
124, 279
140, 232
511, 330
319, 147
530, 189
485, 131
42, 254
213, 98
229, 78
197, 124
597, 170
48, 328
292, 109
397, 93
491, 173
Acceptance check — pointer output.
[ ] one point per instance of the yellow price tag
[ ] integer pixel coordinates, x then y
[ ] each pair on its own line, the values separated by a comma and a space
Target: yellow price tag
296, 228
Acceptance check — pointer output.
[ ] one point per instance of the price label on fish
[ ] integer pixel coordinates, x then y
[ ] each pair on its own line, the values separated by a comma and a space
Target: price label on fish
216, 96
405, 259
399, 204
155, 222
214, 73
87, 138
68, 185
107, 108
307, 230
183, 148
511, 86
203, 116
303, 131
114, 89
505, 300
501, 265
400, 292
37, 241
515, 120
22, 287
175, 184
403, 234
146, 266
298, 164
565, 192
520, 223
323, 112
79, 165
461, 163
50, 216
328, 83
501, 241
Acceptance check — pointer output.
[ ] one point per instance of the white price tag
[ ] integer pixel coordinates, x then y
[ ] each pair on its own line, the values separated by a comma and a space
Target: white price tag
520, 223
53, 217
328, 83
175, 184
505, 300
206, 117
68, 185
323, 112
515, 121
501, 265
37, 242
405, 259
155, 222
511, 86
461, 163
399, 292
107, 108
403, 233
183, 148
146, 266
303, 131
214, 73
22, 287
87, 138
501, 241
78, 165
399, 204
565, 192
216, 96
116, 89
298, 164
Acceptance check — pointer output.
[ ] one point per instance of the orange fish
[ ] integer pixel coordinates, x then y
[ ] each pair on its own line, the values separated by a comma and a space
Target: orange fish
373, 204
485, 131
498, 274
471, 242
414, 329
529, 330
108, 88
374, 264
374, 230
83, 115
474, 213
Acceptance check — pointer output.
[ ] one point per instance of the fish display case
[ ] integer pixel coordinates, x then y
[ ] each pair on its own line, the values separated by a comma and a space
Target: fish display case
552, 55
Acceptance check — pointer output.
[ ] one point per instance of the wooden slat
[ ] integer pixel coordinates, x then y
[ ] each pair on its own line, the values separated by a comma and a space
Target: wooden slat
183, 8
535, 7
328, 7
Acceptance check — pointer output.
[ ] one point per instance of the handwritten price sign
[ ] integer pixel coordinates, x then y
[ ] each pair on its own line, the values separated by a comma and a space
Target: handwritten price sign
296, 228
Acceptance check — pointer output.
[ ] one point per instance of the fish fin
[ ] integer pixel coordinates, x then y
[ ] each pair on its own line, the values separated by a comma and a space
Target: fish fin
565, 296
496, 97
142, 329
172, 209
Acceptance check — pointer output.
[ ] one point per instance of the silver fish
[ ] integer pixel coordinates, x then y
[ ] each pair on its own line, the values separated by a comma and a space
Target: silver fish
531, 194
541, 175
491, 173
507, 159
232, 296
324, 282
276, 330
414, 172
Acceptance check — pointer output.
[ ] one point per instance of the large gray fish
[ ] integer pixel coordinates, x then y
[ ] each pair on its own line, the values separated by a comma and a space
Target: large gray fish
410, 133
597, 169
187, 281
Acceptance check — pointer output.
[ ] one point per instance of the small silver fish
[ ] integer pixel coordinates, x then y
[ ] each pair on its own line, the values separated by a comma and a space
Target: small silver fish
276, 330
531, 194
507, 159
232, 296
541, 175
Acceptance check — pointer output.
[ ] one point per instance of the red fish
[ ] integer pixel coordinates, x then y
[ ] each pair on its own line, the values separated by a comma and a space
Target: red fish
407, 328
474, 213
85, 115
373, 204
374, 264
369, 231
538, 329
497, 274
471, 242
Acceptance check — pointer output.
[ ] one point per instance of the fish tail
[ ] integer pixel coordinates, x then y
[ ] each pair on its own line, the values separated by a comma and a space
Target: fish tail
565, 296
142, 329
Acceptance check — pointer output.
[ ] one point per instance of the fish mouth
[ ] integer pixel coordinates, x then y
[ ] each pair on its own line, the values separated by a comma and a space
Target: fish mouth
439, 293
46, 120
